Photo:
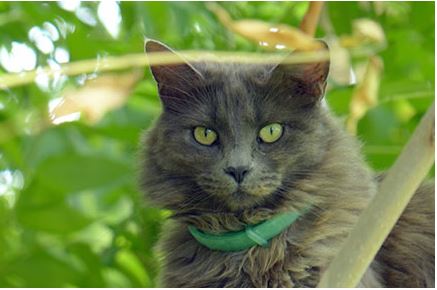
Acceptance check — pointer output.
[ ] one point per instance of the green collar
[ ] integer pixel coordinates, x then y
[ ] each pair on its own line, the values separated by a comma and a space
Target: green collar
259, 234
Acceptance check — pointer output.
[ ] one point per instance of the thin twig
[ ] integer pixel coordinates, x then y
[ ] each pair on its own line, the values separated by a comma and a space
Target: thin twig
140, 60
422, 94
128, 61
311, 18
380, 216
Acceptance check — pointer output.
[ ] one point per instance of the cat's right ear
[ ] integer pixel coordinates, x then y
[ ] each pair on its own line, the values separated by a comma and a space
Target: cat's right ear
305, 82
174, 79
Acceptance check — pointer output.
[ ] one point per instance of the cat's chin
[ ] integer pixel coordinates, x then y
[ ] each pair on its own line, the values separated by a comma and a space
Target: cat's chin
240, 199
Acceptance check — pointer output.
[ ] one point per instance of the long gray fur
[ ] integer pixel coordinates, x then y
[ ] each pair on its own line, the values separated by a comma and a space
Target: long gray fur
314, 162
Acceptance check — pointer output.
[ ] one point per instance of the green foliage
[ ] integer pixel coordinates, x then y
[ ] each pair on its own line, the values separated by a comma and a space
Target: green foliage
71, 213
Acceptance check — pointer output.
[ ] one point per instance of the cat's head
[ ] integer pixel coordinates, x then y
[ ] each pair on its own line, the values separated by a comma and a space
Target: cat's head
232, 135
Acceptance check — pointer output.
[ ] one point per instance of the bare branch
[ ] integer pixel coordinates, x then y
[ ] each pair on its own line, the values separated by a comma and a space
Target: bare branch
140, 60
114, 63
311, 18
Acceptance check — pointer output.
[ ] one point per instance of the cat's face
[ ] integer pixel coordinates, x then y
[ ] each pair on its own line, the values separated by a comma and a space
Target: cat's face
233, 135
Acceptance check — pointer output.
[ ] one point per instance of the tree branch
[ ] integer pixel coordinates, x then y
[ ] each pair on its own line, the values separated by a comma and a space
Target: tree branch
311, 18
128, 61
377, 220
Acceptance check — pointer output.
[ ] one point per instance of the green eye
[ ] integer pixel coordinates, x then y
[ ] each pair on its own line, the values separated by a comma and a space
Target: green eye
271, 133
204, 135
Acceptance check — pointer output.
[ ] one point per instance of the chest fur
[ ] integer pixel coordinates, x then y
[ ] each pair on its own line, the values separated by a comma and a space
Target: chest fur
294, 258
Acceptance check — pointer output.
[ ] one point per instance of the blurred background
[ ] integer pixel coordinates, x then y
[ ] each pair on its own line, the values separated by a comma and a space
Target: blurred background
76, 95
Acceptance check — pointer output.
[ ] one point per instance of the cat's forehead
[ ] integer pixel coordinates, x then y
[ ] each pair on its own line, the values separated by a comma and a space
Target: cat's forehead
238, 88
235, 85
233, 95
227, 71
230, 95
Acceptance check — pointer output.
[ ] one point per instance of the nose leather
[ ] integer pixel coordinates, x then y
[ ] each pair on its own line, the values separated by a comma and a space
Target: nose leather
238, 173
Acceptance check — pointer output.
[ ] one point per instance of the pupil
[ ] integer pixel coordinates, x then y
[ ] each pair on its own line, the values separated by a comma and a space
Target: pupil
271, 130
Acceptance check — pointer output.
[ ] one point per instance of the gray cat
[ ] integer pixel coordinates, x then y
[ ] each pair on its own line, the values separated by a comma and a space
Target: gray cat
239, 145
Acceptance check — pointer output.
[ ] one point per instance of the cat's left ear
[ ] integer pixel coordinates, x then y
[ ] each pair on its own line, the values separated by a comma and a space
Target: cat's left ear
305, 82
172, 78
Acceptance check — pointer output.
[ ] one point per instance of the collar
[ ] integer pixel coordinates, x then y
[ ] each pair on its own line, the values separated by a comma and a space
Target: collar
252, 235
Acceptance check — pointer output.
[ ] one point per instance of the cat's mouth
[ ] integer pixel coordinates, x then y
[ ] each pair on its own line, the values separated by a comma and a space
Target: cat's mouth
242, 198
240, 193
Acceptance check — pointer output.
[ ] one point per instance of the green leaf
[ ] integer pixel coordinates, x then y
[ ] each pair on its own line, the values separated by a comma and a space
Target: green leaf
132, 266
55, 218
73, 172
40, 269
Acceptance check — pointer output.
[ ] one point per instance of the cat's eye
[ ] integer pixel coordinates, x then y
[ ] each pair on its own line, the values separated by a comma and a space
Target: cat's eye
204, 135
271, 133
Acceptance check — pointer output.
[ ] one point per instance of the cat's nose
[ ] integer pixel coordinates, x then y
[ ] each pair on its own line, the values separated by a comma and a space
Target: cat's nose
238, 173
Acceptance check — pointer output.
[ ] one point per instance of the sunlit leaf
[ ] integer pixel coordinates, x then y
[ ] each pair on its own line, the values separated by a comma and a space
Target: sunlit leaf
366, 93
116, 278
266, 34
341, 66
404, 110
365, 31
130, 263
96, 98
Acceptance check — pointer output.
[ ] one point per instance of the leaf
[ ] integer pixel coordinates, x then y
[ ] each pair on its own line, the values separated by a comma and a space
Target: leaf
116, 278
94, 204
40, 269
131, 265
72, 172
366, 93
97, 235
92, 275
51, 142
340, 70
55, 218
364, 31
96, 98
268, 35
404, 110
43, 209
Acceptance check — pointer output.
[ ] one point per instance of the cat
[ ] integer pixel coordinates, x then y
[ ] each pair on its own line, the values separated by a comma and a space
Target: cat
238, 144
